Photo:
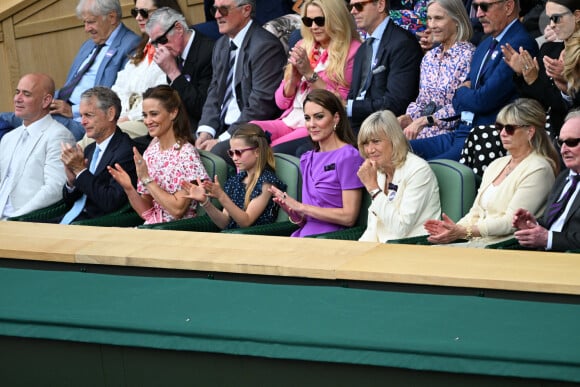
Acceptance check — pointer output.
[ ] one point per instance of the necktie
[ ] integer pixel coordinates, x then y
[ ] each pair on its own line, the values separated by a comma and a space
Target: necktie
557, 208
66, 91
229, 82
179, 61
367, 63
488, 55
79, 205
17, 156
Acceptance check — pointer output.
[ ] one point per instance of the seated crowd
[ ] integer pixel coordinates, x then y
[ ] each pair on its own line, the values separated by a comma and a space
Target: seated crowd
364, 119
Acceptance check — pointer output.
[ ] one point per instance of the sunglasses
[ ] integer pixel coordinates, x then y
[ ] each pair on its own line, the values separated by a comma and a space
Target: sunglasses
485, 6
359, 6
224, 11
557, 17
319, 20
509, 129
141, 11
163, 38
570, 142
239, 152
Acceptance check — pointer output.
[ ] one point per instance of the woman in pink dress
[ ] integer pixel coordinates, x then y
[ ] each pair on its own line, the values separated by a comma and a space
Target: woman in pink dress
323, 59
169, 160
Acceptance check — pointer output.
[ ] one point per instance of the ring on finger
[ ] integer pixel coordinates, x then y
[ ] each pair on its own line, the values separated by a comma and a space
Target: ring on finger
139, 161
284, 196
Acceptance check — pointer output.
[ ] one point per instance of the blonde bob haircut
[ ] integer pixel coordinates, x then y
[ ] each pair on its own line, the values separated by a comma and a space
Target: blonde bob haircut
384, 125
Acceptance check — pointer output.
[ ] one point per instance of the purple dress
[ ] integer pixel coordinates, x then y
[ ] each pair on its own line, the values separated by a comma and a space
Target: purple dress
324, 176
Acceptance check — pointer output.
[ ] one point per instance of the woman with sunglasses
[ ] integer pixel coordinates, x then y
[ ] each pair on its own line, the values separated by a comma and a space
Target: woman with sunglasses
443, 69
555, 70
323, 59
141, 72
522, 179
331, 190
245, 198
169, 159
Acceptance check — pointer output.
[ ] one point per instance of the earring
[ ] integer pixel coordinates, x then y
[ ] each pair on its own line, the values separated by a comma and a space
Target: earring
334, 127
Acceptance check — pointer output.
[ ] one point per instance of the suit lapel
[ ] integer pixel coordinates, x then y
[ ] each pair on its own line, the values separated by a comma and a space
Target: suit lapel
108, 155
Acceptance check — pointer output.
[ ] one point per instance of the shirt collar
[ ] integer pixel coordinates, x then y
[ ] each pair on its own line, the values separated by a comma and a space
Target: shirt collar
239, 38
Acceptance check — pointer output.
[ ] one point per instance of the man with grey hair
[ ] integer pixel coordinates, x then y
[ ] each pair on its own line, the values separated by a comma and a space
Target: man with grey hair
90, 189
97, 63
184, 55
248, 64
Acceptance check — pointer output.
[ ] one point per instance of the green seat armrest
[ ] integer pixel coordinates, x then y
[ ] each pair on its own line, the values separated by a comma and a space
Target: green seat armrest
508, 244
350, 234
416, 240
199, 223
115, 219
53, 211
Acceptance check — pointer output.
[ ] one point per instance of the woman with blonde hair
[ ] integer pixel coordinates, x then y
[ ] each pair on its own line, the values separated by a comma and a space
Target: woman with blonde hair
402, 186
245, 199
522, 179
323, 59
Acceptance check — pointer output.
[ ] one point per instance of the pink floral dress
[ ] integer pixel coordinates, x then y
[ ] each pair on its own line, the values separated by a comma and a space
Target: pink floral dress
169, 168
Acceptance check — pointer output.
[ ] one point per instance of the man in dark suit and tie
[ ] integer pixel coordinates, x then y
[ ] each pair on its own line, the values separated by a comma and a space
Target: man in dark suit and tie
386, 67
90, 190
184, 55
489, 85
559, 228
256, 59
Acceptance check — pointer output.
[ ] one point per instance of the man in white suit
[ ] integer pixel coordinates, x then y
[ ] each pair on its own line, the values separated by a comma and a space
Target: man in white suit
31, 173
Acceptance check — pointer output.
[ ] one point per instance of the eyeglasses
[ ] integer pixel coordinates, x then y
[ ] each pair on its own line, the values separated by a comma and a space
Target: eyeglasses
485, 6
570, 142
557, 17
509, 129
163, 38
359, 6
319, 20
224, 11
239, 152
141, 11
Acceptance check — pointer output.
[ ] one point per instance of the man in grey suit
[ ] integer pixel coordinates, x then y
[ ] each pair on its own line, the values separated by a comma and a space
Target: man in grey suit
247, 92
559, 227
31, 174
385, 74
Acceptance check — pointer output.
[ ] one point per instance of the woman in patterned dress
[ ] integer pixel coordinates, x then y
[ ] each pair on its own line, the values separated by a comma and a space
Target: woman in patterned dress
169, 160
443, 69
245, 198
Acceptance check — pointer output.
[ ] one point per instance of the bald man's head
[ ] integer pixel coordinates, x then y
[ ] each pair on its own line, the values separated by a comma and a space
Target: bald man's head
33, 96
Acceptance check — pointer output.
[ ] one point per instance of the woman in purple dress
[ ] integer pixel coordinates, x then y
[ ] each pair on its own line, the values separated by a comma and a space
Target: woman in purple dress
331, 190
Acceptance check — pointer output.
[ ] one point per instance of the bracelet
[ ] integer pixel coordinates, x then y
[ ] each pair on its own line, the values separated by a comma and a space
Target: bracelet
468, 232
299, 222
205, 203
146, 180
375, 192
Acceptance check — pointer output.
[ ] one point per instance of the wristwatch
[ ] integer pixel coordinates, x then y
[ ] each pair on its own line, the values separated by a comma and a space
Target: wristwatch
313, 78
430, 120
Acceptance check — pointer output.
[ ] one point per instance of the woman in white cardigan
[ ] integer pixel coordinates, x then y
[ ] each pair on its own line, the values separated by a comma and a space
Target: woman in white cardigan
523, 178
402, 186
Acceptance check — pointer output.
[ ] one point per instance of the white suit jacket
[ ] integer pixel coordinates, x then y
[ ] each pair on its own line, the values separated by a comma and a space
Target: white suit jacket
39, 174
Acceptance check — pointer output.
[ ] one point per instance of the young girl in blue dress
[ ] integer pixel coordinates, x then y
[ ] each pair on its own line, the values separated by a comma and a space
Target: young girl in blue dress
245, 198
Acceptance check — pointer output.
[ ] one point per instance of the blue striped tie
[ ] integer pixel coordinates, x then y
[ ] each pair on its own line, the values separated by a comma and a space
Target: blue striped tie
229, 82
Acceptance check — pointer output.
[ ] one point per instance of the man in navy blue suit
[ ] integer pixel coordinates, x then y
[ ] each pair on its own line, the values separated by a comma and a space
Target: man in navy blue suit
489, 86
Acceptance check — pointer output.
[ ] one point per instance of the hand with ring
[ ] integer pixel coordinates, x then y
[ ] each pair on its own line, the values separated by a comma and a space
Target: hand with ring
299, 59
140, 166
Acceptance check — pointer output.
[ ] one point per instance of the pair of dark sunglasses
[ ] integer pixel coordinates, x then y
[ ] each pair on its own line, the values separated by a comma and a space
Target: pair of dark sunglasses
163, 38
224, 11
239, 152
141, 11
570, 142
485, 6
557, 17
319, 20
359, 6
509, 129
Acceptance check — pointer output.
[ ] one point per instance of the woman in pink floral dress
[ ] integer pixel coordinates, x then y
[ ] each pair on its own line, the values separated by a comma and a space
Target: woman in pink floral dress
169, 160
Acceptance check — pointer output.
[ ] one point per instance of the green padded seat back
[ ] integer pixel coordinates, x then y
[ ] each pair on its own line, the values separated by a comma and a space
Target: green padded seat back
457, 187
214, 165
288, 170
364, 209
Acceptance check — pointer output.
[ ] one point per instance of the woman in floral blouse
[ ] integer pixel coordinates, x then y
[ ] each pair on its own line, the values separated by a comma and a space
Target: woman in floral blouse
169, 160
443, 69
